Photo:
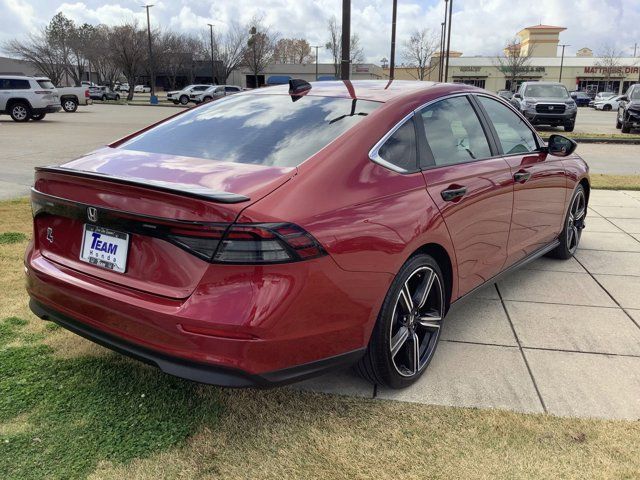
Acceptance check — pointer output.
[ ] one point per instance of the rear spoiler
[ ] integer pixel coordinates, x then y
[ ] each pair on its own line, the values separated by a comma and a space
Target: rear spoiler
187, 190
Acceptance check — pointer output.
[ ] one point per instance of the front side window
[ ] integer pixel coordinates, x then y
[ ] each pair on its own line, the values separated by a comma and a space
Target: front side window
400, 148
259, 129
454, 132
17, 84
513, 133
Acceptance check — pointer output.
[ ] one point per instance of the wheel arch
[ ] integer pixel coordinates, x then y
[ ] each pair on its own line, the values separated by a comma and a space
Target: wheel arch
14, 100
69, 97
440, 255
587, 187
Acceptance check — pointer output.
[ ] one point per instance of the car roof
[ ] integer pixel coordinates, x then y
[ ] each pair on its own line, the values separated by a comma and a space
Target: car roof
375, 90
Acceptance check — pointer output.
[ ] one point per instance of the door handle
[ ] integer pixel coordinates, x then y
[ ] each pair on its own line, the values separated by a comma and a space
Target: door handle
453, 194
521, 176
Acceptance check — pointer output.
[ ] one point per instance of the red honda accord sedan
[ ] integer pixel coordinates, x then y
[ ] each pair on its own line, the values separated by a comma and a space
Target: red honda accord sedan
269, 236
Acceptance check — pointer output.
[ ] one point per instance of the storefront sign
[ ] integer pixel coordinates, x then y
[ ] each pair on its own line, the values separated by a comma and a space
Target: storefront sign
470, 69
612, 70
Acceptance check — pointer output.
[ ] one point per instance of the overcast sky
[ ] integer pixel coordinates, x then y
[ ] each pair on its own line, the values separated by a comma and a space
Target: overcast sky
480, 27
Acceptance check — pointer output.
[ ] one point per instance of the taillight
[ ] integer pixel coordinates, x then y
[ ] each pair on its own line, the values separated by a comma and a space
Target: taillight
249, 243
86, 93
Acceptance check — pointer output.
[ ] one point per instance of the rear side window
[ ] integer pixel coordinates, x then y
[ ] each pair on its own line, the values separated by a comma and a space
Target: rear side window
259, 129
46, 84
400, 148
514, 135
454, 132
231, 89
16, 84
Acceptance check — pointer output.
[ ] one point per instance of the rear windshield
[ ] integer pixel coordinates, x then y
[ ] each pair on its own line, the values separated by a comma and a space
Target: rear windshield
258, 129
46, 84
546, 91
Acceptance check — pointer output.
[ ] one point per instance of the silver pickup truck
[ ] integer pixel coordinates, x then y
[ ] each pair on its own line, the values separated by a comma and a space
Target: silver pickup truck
71, 97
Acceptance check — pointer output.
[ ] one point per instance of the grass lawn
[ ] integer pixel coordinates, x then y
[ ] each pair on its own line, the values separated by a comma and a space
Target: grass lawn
615, 182
70, 409
603, 136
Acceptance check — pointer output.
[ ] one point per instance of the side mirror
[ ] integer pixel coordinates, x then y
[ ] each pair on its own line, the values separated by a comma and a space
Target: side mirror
560, 146
517, 95
624, 98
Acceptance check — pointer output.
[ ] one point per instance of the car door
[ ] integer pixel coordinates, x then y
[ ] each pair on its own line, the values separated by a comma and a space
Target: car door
539, 180
4, 93
472, 187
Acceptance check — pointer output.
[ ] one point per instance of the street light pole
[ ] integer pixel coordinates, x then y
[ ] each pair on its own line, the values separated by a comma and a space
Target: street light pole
345, 70
392, 64
213, 81
562, 60
441, 58
446, 69
316, 47
153, 86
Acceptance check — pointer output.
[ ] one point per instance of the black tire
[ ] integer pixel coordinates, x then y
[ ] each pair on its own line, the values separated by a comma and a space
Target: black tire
20, 112
625, 127
36, 117
568, 127
574, 222
104, 98
184, 100
398, 331
69, 105
606, 108
618, 123
207, 99
117, 98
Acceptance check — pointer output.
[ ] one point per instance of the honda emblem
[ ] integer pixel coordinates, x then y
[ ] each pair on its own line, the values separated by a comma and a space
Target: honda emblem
92, 214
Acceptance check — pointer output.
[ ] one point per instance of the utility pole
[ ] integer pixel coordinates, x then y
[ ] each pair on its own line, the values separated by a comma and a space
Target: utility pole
441, 57
563, 45
153, 80
316, 47
213, 70
635, 48
446, 69
392, 64
345, 69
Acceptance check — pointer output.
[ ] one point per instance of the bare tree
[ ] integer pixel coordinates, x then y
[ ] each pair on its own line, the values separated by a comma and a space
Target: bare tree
37, 51
418, 50
334, 45
260, 48
102, 59
229, 50
513, 62
128, 44
609, 63
293, 51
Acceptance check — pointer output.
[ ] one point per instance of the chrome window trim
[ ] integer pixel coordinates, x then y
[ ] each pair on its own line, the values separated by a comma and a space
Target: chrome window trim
374, 154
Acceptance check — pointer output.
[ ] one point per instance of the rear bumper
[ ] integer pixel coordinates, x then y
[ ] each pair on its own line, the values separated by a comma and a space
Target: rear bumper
47, 109
190, 370
264, 326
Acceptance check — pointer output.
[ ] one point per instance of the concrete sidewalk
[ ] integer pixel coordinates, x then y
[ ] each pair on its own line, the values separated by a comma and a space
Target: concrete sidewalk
560, 337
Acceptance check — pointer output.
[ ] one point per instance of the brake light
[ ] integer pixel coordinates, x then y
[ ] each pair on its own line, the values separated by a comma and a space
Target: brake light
86, 93
249, 243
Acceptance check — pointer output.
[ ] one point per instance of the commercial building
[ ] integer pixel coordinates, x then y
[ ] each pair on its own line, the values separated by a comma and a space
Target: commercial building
583, 71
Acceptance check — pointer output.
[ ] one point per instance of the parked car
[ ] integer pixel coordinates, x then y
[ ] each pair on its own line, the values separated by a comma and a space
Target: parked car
71, 97
260, 240
141, 89
27, 98
122, 87
546, 103
103, 93
506, 94
582, 99
628, 116
187, 94
609, 103
88, 84
217, 91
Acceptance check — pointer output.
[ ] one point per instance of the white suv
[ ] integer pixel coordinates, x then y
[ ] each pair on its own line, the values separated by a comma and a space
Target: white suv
27, 98
187, 94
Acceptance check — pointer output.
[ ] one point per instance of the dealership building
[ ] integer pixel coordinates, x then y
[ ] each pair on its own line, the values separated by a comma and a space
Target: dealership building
583, 71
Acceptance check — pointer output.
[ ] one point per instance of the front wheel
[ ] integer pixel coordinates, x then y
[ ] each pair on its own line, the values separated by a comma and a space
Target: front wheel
184, 100
117, 98
573, 225
104, 98
606, 108
406, 333
618, 122
625, 127
569, 126
69, 105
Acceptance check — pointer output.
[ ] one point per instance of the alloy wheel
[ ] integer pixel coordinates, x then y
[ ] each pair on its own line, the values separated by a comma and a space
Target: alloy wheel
20, 112
416, 321
575, 224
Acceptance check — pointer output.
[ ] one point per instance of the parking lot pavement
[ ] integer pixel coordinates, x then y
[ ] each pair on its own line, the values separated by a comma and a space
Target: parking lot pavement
590, 120
561, 337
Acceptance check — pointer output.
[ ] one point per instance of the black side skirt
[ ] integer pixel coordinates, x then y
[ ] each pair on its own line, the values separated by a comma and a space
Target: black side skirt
197, 372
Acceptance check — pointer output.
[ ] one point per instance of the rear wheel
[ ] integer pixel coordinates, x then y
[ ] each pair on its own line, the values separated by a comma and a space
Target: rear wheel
117, 98
20, 112
573, 225
606, 108
406, 333
184, 100
69, 105
569, 126
36, 117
